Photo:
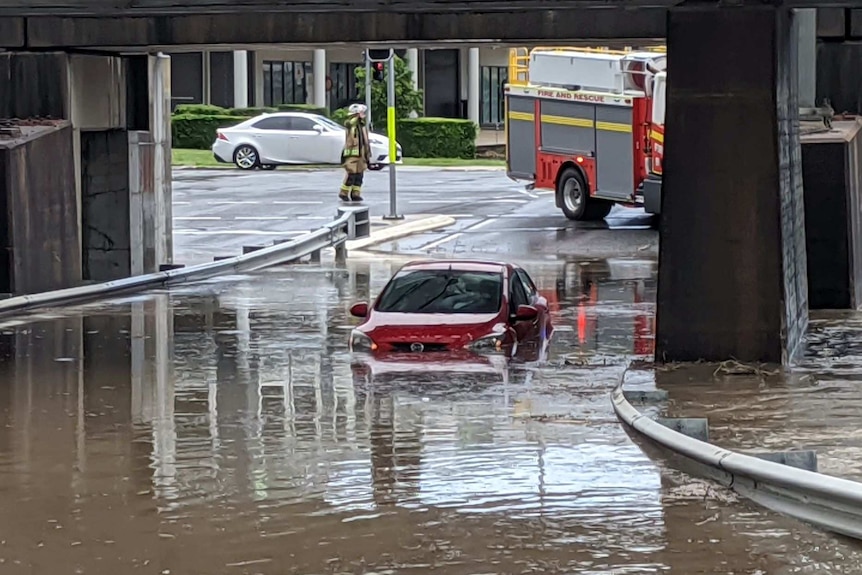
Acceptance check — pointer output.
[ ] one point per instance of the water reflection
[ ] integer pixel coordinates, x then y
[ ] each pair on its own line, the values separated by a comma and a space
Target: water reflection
225, 429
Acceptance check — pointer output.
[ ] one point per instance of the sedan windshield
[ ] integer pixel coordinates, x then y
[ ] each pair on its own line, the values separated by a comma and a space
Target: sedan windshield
443, 291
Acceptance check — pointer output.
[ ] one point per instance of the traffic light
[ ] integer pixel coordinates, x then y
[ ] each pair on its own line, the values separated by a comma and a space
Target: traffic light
380, 55
377, 70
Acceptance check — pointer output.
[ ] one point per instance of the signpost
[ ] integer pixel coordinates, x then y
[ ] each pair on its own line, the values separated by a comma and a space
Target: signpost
386, 56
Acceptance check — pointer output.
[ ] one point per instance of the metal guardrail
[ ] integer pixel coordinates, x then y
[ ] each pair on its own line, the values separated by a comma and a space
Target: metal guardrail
828, 502
352, 223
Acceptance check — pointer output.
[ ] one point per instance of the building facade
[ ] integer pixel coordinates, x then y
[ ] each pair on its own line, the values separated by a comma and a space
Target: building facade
457, 82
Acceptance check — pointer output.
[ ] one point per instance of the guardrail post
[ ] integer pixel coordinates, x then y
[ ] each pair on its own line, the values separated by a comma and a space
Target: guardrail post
341, 253
696, 427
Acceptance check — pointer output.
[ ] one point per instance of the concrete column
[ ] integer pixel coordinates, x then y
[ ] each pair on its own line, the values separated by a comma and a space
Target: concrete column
474, 79
240, 79
318, 68
805, 29
732, 267
413, 65
160, 126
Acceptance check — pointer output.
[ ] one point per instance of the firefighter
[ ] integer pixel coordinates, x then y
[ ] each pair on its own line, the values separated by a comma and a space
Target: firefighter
356, 154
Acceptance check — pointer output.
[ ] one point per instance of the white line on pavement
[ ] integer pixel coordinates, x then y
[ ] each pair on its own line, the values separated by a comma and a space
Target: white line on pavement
233, 202
235, 233
440, 242
197, 218
255, 218
295, 203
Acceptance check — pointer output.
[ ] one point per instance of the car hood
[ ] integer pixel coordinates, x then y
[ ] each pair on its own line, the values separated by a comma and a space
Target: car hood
429, 328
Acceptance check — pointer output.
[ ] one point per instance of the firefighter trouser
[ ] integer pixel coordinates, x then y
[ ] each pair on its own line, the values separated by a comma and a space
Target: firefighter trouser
354, 168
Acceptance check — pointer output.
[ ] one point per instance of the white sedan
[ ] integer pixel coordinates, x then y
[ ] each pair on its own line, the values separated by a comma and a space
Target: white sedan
269, 140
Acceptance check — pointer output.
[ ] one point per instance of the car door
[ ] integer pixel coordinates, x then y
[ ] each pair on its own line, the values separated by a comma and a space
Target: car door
537, 300
518, 296
312, 142
271, 137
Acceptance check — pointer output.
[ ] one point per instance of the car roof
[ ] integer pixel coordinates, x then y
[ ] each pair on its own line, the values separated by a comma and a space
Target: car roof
462, 265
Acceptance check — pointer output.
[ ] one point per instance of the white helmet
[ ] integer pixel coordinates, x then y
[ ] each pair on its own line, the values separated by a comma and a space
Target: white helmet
356, 109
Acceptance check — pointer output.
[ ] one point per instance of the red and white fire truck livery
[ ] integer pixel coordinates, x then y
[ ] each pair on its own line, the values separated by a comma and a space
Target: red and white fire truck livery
588, 124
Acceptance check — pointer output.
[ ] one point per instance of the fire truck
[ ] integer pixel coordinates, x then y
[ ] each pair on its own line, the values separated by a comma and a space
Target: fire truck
587, 123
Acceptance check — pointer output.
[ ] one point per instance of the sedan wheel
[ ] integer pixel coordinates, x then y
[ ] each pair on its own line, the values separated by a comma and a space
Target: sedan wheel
245, 157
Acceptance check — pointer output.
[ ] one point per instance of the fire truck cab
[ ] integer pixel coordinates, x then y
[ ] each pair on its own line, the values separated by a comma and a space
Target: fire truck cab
588, 124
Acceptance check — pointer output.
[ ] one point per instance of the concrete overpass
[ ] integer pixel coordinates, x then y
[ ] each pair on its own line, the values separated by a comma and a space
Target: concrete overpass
733, 272
30, 24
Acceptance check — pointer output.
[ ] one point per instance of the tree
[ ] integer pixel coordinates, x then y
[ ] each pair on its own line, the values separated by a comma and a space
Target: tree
407, 99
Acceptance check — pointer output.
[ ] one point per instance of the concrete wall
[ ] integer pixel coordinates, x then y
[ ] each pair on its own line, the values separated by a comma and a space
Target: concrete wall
39, 212
106, 245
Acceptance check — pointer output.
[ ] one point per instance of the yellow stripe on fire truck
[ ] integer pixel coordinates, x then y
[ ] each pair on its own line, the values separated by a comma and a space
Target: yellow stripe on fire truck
567, 121
524, 116
614, 127
657, 136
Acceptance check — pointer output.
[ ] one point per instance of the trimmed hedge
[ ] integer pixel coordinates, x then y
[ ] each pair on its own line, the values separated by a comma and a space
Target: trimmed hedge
437, 138
307, 108
199, 110
198, 132
249, 112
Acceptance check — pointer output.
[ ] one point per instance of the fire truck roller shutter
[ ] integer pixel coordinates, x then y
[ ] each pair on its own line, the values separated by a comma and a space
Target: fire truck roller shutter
614, 152
522, 136
568, 127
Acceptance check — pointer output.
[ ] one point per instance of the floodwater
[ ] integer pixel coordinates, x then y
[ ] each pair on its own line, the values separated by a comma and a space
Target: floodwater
815, 405
224, 428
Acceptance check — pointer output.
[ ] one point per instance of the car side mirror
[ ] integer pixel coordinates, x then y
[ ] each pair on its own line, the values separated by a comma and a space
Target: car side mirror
359, 309
318, 128
526, 313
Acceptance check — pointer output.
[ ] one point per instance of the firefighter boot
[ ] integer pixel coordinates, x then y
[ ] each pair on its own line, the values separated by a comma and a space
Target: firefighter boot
346, 186
356, 189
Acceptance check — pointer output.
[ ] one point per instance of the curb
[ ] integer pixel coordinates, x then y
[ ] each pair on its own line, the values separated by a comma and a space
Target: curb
828, 502
401, 230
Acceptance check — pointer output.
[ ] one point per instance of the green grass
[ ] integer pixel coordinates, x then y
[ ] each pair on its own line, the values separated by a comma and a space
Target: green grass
205, 159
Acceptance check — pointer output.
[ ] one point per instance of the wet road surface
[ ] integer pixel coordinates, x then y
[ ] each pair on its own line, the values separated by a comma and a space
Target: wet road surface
216, 212
224, 428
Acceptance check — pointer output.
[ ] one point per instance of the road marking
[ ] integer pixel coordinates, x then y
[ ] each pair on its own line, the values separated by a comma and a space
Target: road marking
311, 218
528, 193
197, 218
232, 202
440, 242
265, 218
295, 203
177, 203
236, 233
498, 201
449, 238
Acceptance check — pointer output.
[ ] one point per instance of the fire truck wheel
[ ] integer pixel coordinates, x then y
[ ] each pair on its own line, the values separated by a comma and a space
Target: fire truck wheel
573, 194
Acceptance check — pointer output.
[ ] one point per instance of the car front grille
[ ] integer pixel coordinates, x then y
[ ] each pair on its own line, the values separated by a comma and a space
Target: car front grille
425, 347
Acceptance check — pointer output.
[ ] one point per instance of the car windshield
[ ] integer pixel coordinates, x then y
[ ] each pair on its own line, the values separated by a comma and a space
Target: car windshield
442, 291
329, 123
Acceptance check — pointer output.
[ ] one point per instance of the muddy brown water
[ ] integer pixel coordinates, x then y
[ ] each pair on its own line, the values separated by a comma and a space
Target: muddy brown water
224, 428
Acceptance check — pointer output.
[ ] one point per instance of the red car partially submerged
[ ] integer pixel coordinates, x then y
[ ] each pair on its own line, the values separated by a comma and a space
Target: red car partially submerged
453, 306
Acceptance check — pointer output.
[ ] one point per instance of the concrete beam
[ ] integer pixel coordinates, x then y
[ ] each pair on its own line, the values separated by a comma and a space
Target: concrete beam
12, 34
251, 27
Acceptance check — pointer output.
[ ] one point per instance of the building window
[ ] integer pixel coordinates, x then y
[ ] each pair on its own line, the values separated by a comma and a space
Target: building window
344, 91
493, 79
284, 83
